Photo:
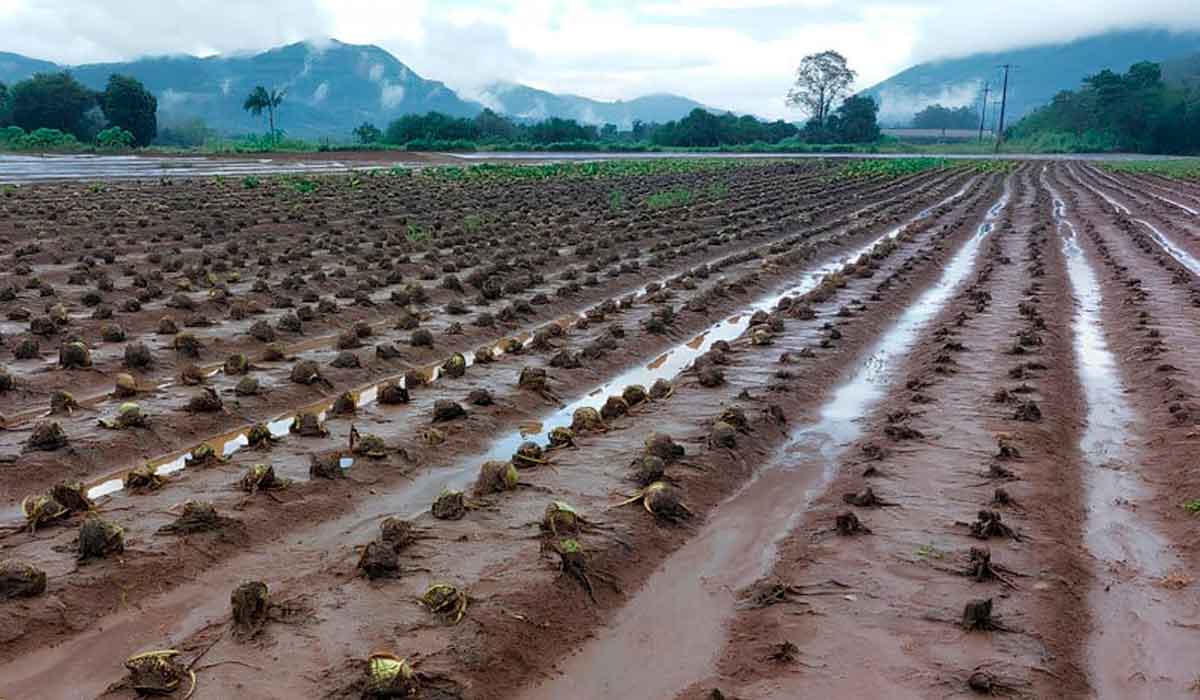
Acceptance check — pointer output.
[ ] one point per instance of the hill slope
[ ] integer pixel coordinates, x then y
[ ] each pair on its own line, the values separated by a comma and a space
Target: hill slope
1042, 72
331, 88
523, 102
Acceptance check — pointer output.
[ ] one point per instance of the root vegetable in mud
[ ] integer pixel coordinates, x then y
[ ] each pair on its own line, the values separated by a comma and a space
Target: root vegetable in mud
197, 516
98, 538
450, 505
445, 410
389, 676
446, 601
20, 580
129, 415
663, 501
496, 477
47, 436
587, 420
251, 603
158, 673
261, 477
42, 510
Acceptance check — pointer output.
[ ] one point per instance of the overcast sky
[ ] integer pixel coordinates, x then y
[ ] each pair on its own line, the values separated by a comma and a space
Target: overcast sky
726, 53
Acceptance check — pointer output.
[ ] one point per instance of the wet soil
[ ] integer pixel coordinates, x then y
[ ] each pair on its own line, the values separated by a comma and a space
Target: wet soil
932, 436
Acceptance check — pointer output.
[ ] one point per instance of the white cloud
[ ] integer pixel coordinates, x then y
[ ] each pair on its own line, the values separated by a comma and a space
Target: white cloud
737, 54
390, 95
320, 93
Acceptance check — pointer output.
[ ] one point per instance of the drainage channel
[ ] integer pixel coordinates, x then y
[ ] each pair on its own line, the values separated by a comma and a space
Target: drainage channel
1136, 649
1182, 256
1144, 191
666, 366
678, 618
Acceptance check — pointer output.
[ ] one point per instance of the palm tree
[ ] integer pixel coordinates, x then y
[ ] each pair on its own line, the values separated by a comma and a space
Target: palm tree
261, 99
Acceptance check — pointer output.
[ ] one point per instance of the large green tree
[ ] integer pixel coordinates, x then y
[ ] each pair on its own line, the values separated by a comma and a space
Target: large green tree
821, 80
856, 120
52, 101
129, 105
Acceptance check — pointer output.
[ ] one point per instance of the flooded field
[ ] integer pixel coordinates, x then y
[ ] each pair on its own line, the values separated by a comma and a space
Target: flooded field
683, 429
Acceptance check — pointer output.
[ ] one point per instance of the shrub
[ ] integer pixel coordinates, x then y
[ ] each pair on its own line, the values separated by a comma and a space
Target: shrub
114, 138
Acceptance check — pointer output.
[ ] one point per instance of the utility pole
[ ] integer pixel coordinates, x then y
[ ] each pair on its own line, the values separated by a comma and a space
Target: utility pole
983, 113
1003, 105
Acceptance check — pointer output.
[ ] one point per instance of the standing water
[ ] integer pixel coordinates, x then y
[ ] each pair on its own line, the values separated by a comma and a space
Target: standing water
678, 618
1136, 649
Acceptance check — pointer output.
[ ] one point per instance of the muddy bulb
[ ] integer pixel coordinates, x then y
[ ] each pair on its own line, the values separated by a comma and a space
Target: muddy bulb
99, 538
197, 516
157, 672
446, 410
251, 605
389, 676
72, 496
496, 477
20, 580
449, 505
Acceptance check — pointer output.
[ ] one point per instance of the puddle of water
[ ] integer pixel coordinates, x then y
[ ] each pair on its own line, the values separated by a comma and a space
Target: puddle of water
21, 168
1120, 208
1135, 648
666, 366
1182, 256
678, 618
673, 362
1145, 190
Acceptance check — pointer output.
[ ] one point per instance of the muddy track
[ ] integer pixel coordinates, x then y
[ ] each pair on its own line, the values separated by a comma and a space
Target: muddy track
285, 393
279, 519
915, 475
1139, 530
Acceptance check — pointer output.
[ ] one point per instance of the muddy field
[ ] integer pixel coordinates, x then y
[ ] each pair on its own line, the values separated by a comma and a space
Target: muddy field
739, 430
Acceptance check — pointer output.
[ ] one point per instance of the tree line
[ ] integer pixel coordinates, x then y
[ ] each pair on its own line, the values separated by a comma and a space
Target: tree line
1134, 111
123, 114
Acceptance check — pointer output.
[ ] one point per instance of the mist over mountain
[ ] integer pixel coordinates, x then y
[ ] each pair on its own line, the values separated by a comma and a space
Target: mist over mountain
331, 88
1040, 72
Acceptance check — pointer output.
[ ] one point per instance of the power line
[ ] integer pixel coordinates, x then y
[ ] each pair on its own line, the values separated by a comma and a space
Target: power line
983, 113
1003, 106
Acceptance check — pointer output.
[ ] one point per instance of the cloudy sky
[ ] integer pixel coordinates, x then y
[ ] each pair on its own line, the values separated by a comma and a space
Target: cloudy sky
736, 54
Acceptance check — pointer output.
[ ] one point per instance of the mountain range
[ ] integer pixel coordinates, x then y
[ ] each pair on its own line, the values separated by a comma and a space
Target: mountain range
1038, 73
333, 86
